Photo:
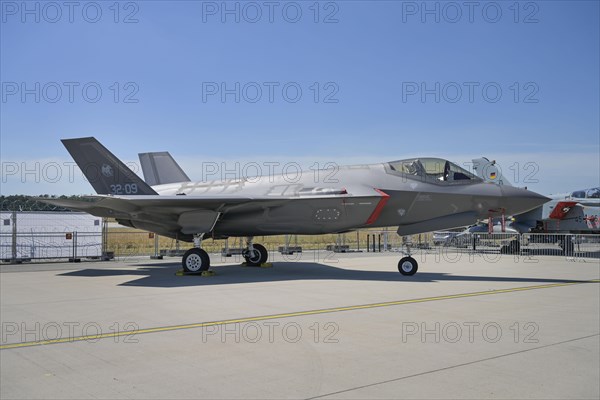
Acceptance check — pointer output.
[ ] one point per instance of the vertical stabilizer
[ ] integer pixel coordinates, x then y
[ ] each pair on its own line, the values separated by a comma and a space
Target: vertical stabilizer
105, 172
160, 168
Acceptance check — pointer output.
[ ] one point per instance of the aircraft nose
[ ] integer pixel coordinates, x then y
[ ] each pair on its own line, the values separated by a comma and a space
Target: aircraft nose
521, 200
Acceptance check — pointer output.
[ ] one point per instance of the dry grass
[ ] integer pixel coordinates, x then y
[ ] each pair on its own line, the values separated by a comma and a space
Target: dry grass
129, 241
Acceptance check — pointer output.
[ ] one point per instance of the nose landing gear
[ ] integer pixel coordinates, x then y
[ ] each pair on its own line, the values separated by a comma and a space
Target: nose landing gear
408, 266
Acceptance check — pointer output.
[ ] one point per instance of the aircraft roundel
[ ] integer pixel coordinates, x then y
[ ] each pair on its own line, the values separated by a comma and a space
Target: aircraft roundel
107, 170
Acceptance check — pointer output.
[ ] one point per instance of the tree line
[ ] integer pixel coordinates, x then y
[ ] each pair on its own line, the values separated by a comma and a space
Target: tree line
28, 203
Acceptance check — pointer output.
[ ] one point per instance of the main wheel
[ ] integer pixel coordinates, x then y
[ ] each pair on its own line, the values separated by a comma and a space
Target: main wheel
259, 255
195, 260
408, 266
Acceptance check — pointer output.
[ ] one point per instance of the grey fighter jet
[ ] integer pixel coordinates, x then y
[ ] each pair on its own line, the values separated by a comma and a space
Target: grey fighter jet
417, 195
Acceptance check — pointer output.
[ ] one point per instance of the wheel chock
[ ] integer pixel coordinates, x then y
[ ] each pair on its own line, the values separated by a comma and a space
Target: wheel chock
264, 265
181, 272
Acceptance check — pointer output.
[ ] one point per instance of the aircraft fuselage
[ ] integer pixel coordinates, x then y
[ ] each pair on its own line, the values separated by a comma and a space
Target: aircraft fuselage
361, 196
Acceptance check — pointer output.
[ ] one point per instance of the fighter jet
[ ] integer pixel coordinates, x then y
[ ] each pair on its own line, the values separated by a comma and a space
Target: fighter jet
576, 212
417, 195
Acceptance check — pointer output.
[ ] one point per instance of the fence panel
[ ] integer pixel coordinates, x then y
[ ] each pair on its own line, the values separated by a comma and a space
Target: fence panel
50, 245
125, 244
569, 245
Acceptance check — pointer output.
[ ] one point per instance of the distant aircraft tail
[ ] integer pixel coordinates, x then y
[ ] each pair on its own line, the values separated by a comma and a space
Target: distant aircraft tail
160, 168
489, 171
105, 172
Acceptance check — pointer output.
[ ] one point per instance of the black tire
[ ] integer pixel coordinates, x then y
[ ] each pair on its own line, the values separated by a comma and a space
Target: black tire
259, 256
195, 260
408, 266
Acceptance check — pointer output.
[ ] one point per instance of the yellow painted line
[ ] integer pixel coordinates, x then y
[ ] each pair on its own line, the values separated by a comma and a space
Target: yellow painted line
286, 315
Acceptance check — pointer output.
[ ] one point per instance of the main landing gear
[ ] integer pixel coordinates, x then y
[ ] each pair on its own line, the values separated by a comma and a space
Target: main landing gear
255, 254
197, 260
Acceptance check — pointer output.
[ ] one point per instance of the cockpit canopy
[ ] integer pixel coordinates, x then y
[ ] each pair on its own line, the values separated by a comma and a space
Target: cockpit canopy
593, 193
434, 170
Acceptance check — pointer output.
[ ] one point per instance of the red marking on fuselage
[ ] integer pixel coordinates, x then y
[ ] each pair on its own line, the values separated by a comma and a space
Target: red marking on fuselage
375, 214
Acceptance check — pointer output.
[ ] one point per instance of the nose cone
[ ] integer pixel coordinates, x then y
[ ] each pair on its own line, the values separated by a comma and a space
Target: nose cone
518, 201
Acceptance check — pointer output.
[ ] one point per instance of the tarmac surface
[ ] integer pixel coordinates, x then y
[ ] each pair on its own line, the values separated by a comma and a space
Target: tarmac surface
339, 326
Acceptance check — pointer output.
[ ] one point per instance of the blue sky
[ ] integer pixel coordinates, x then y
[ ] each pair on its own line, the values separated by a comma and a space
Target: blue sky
361, 68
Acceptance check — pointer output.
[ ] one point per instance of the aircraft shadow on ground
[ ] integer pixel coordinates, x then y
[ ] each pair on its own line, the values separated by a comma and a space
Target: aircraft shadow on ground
164, 275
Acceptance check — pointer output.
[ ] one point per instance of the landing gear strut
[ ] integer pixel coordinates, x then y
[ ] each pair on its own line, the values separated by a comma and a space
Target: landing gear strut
255, 254
196, 259
407, 265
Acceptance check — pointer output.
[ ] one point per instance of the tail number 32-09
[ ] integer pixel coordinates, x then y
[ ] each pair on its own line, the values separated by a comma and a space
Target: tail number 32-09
128, 188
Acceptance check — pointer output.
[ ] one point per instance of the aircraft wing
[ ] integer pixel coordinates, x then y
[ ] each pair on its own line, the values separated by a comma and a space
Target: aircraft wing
188, 214
170, 204
113, 205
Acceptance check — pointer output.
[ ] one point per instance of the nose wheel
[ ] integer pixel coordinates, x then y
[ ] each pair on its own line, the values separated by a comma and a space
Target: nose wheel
408, 266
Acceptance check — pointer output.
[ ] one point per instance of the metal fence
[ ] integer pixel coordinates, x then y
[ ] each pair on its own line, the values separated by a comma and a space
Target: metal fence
50, 245
582, 246
49, 235
528, 244
122, 244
